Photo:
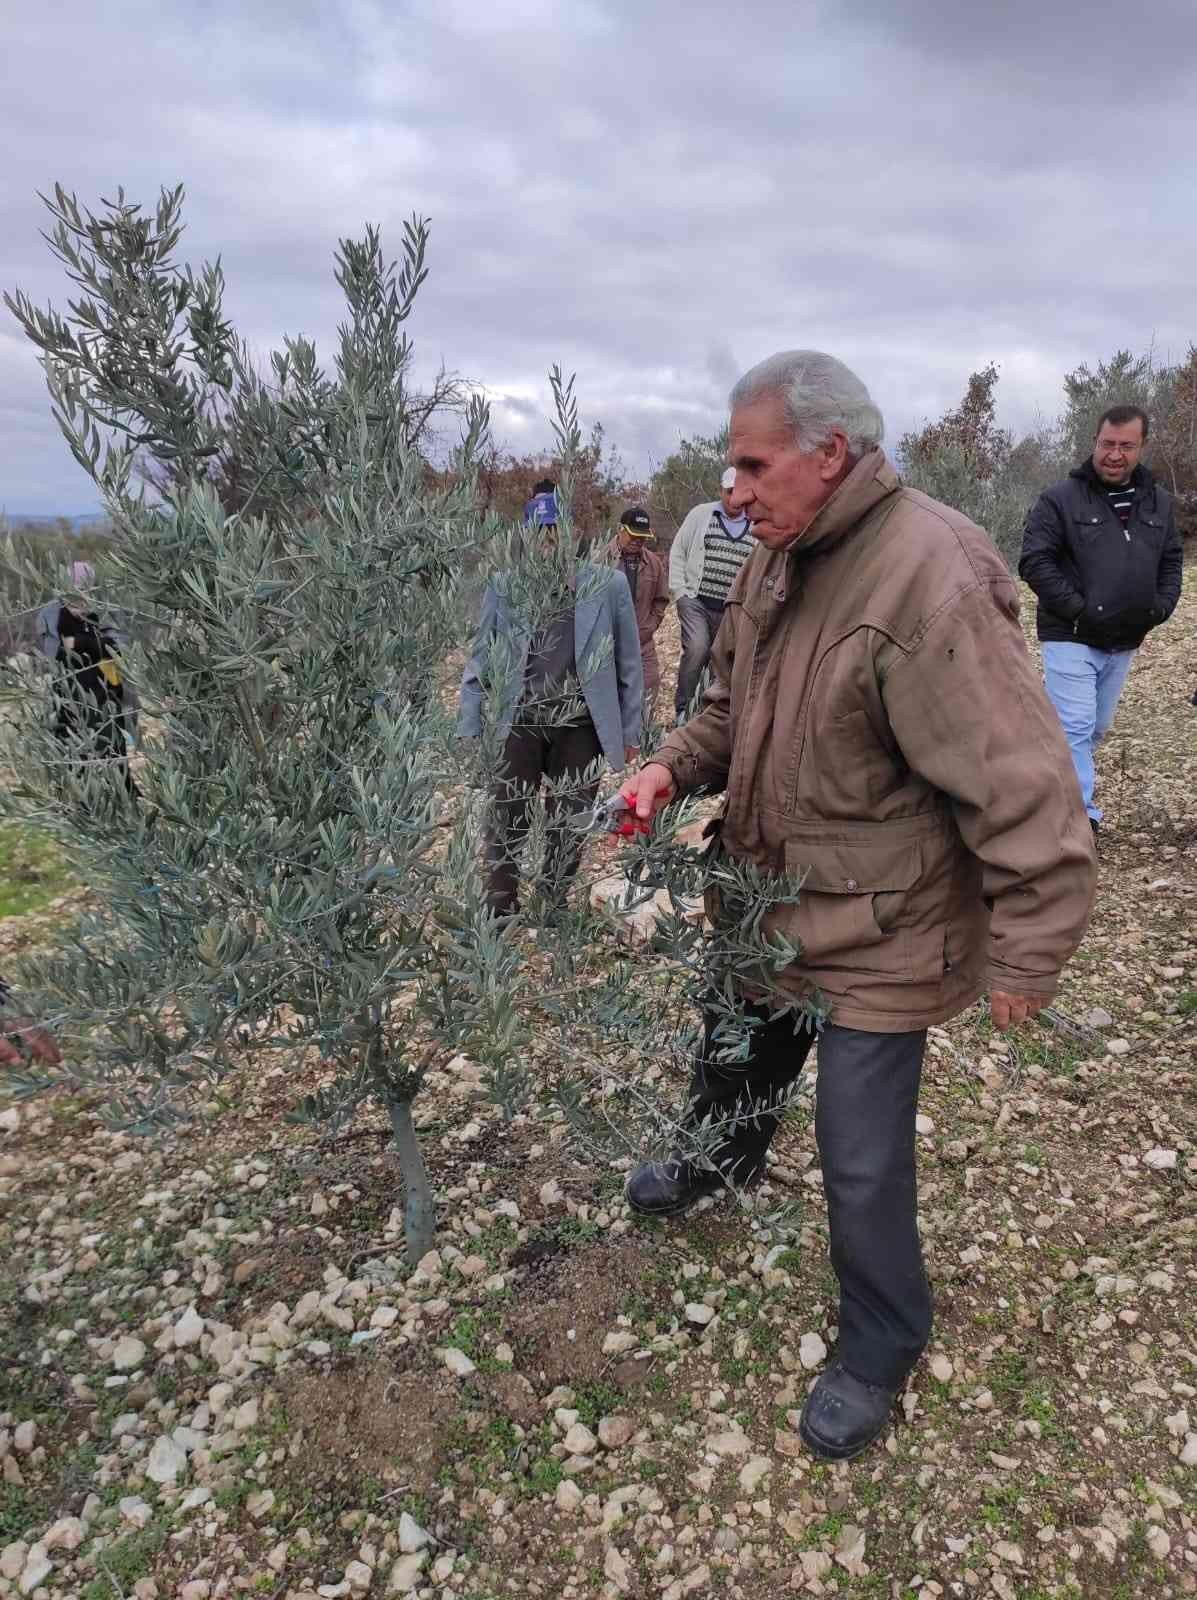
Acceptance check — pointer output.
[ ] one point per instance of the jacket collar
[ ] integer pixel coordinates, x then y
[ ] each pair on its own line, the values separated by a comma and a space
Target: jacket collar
870, 481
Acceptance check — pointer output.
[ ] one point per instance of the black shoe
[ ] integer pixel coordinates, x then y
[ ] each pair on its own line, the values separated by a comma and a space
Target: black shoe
663, 1188
842, 1415
1095, 825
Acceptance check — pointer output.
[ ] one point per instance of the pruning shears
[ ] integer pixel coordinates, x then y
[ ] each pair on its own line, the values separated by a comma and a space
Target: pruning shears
615, 816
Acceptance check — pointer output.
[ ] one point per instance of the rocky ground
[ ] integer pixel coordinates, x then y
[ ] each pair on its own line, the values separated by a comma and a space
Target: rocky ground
220, 1379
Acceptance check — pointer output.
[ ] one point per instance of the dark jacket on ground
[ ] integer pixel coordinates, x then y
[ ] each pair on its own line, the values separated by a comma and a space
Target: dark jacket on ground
1098, 583
89, 688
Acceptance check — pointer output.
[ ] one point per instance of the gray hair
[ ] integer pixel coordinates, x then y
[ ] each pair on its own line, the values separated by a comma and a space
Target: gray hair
822, 396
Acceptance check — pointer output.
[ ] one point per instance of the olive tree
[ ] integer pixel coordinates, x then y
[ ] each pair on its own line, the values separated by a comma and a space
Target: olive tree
292, 858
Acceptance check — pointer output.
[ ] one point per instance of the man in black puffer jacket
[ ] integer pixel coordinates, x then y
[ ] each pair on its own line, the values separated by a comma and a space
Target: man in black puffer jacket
1102, 554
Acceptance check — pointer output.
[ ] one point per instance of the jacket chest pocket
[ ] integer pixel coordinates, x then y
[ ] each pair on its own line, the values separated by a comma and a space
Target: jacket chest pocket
843, 766
854, 905
1093, 533
1101, 557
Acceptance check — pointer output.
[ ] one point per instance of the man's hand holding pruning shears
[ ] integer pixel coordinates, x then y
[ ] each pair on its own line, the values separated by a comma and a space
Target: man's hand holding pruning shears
630, 810
646, 791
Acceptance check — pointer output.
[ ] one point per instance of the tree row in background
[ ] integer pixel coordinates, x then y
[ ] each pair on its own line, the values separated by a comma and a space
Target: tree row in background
964, 458
601, 486
970, 462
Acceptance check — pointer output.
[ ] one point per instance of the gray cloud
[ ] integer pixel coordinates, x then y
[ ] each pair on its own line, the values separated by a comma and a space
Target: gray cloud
653, 196
1103, 45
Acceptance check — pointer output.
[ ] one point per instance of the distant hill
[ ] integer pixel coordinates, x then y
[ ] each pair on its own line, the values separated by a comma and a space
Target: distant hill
37, 519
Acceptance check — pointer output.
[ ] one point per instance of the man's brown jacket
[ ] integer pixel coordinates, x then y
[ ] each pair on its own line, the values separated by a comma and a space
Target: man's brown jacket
879, 726
651, 601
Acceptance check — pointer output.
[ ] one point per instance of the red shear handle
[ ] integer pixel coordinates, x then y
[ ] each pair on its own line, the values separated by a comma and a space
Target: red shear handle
648, 790
631, 825
622, 821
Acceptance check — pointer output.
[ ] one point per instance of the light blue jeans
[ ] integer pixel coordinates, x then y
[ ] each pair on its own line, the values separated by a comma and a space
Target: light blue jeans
1084, 684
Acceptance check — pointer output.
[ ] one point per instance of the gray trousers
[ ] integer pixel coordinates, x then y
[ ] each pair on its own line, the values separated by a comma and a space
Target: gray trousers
699, 625
867, 1091
531, 755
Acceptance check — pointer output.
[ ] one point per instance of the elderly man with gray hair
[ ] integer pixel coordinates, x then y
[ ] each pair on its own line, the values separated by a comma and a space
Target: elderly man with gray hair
879, 731
705, 558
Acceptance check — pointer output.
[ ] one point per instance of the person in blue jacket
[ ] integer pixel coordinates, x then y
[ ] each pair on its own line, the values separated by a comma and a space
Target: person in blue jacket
563, 679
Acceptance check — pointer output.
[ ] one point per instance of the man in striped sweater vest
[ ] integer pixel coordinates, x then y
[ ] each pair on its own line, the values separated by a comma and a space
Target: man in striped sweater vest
711, 546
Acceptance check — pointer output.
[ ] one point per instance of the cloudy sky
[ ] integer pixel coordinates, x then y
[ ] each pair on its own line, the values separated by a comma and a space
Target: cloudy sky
654, 193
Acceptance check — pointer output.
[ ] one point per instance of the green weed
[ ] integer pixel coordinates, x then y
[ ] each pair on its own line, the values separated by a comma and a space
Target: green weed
594, 1400
544, 1476
31, 870
826, 1528
122, 1563
17, 1512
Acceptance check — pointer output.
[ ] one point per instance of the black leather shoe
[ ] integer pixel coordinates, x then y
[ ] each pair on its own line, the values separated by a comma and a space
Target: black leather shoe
663, 1188
842, 1415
